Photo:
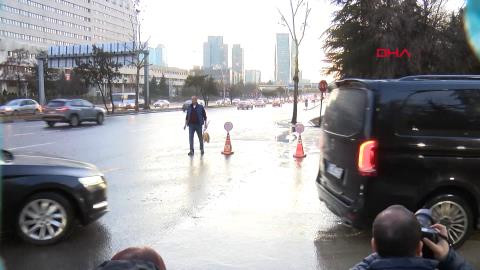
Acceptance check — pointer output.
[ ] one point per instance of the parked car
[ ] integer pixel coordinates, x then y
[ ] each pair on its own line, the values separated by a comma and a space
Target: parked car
18, 107
235, 101
260, 103
223, 102
72, 111
44, 196
126, 101
161, 104
411, 141
189, 102
277, 103
245, 105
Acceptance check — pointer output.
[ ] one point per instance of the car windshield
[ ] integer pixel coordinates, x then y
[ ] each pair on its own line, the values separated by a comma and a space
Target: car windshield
117, 98
312, 116
13, 103
56, 103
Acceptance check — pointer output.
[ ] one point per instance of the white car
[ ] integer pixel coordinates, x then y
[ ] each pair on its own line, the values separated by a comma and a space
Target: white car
161, 104
236, 101
221, 102
21, 107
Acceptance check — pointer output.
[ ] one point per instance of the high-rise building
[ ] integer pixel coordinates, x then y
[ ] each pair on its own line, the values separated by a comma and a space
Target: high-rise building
61, 22
158, 56
282, 59
237, 63
34, 25
253, 76
215, 53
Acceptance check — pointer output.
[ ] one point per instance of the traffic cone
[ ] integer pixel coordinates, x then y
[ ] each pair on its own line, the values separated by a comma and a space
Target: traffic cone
227, 150
299, 153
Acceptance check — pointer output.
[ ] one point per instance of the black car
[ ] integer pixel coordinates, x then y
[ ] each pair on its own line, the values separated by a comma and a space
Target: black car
44, 197
412, 141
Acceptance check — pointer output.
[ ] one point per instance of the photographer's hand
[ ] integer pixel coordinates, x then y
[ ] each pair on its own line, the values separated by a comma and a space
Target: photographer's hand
440, 249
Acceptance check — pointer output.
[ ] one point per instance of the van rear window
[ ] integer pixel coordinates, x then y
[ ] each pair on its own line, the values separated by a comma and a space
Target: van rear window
449, 113
345, 111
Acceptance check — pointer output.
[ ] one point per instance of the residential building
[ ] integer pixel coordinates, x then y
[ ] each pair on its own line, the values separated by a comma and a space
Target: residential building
215, 53
34, 25
253, 76
158, 56
282, 59
237, 63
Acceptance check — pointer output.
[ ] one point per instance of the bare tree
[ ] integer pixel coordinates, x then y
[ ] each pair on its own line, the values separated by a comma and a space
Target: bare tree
296, 26
138, 51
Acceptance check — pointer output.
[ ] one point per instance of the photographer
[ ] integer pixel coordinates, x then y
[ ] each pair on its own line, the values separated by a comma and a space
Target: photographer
397, 243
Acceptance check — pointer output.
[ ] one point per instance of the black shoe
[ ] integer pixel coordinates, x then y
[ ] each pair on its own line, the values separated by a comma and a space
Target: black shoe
203, 152
190, 153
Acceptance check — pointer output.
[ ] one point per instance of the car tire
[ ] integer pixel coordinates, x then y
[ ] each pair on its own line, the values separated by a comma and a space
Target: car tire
52, 226
100, 118
50, 124
74, 120
36, 112
455, 213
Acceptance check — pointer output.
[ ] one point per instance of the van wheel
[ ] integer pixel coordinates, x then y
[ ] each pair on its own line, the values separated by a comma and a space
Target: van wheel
45, 218
455, 213
51, 123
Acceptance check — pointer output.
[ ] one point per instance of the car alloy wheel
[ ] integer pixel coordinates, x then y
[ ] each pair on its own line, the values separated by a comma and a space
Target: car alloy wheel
43, 220
453, 216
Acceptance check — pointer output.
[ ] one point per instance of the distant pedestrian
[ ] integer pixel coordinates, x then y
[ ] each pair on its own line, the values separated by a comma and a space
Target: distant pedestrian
195, 119
134, 258
306, 103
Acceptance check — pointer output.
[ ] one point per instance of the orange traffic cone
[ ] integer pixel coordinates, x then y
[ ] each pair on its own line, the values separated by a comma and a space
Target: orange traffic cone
227, 150
299, 153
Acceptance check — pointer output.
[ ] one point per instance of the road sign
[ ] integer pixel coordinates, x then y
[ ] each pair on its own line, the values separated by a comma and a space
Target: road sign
322, 86
299, 128
228, 126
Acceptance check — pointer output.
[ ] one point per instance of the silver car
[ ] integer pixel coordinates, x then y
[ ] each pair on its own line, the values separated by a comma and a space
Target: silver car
72, 111
18, 107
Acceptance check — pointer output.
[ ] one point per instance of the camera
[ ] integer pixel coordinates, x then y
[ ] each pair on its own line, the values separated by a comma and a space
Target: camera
424, 217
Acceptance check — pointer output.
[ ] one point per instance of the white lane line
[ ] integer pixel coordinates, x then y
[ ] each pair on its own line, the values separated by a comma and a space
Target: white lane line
110, 170
30, 146
23, 134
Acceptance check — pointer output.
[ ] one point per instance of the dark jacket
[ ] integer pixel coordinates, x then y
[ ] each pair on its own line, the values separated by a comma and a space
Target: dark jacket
375, 262
199, 112
127, 265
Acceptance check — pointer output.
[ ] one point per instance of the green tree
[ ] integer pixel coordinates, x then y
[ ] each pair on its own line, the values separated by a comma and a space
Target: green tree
163, 87
98, 71
200, 85
154, 87
435, 39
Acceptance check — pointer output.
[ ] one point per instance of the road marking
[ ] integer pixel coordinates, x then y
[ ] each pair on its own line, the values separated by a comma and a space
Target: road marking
30, 146
110, 170
23, 134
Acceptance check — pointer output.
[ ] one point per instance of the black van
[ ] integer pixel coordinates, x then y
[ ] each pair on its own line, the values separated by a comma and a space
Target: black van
413, 141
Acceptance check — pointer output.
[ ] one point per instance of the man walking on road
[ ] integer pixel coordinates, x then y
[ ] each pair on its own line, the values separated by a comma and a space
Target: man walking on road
196, 118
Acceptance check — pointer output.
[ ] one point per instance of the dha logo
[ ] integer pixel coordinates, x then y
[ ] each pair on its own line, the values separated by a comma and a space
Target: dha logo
387, 53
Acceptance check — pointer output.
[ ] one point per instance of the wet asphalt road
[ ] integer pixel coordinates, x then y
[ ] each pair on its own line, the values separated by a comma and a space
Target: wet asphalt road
257, 209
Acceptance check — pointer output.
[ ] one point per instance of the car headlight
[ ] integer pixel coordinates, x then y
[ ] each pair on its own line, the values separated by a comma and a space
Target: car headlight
7, 109
91, 181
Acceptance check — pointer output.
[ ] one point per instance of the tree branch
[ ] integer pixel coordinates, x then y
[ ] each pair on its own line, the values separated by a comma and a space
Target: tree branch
305, 23
286, 23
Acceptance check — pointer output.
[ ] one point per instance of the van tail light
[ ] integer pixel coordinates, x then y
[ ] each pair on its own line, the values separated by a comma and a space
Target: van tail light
367, 158
62, 109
